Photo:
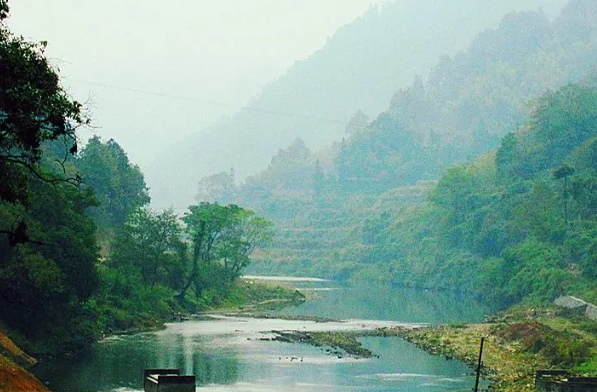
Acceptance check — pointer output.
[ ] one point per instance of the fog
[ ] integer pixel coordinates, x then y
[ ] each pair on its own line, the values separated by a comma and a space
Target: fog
156, 77
153, 72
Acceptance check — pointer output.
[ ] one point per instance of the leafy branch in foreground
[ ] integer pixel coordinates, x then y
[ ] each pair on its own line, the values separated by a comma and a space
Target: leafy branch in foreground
34, 109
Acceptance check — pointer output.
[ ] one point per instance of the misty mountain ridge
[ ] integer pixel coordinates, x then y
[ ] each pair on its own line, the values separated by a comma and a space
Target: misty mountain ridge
480, 94
469, 102
373, 207
360, 68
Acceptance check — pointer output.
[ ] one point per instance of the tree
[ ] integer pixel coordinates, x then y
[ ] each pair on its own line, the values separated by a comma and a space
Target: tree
564, 172
289, 172
506, 155
3, 9
563, 121
42, 284
358, 123
219, 187
33, 109
49, 254
224, 236
245, 233
152, 243
318, 182
117, 184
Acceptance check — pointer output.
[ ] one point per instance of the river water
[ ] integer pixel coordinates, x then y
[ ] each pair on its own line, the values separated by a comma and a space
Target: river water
228, 354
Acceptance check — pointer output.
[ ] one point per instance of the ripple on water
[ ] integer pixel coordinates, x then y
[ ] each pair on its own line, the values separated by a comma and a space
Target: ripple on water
221, 325
265, 387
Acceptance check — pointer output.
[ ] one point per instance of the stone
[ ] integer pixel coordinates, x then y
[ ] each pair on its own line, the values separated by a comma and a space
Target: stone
570, 302
591, 312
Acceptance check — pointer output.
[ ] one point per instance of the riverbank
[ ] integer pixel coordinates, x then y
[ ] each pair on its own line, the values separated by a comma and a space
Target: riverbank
13, 362
246, 297
518, 342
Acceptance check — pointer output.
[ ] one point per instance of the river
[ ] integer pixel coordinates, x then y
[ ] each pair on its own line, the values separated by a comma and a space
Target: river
227, 354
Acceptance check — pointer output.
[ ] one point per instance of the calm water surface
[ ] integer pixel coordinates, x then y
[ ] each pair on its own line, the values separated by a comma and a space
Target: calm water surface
226, 354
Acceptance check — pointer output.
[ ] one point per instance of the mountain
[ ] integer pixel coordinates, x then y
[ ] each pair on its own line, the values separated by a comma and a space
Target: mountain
476, 96
384, 166
359, 68
517, 224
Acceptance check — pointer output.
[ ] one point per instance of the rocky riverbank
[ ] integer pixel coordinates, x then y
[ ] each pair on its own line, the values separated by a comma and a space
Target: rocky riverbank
339, 344
517, 344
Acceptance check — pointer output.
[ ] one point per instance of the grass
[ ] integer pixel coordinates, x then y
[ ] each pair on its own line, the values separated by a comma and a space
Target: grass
517, 344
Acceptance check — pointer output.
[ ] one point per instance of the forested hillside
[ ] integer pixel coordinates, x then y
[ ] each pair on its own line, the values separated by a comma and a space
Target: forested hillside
471, 100
360, 68
370, 206
516, 224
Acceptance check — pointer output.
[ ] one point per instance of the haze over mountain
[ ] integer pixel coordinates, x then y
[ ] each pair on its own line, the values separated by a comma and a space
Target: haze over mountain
514, 114
157, 73
360, 68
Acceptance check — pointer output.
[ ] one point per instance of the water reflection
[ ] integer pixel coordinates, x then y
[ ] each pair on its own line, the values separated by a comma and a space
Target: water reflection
227, 355
384, 303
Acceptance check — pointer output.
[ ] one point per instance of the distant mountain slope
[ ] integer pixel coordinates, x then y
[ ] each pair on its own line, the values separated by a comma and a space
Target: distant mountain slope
475, 97
470, 100
468, 104
360, 67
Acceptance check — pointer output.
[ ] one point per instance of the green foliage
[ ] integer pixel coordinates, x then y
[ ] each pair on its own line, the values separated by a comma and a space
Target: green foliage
517, 225
380, 158
117, 184
152, 243
533, 270
506, 155
473, 98
156, 268
3, 9
511, 239
288, 178
259, 294
145, 269
48, 280
48, 249
33, 109
125, 302
561, 349
222, 239
563, 121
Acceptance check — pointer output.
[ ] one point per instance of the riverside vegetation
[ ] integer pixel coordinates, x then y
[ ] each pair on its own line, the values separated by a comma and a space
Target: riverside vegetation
81, 254
518, 342
513, 222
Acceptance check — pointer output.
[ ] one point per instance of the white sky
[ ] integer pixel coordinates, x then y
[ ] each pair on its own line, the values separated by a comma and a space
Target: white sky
222, 51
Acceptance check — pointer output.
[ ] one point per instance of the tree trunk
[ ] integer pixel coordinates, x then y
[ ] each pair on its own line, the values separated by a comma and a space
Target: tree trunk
196, 256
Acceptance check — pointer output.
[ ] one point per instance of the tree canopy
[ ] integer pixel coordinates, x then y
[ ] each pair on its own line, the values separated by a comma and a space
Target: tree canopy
33, 109
48, 247
118, 185
222, 239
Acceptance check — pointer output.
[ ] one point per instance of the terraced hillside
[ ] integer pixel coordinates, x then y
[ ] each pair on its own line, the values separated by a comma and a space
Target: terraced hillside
328, 238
